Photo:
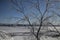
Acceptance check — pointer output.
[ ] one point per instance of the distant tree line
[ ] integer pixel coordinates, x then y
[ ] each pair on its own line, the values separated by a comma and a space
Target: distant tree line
25, 25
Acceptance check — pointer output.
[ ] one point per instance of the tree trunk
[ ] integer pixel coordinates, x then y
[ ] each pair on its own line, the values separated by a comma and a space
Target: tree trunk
38, 38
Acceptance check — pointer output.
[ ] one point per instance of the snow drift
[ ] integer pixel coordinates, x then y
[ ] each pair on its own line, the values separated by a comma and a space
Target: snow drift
4, 36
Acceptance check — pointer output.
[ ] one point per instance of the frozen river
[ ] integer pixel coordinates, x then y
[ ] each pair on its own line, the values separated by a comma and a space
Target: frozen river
22, 29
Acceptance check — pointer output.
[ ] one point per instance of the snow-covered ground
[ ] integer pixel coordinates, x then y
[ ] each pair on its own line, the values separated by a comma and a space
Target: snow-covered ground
4, 36
22, 29
14, 29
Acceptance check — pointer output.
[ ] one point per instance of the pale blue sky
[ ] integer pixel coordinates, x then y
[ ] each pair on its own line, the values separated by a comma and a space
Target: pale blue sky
7, 13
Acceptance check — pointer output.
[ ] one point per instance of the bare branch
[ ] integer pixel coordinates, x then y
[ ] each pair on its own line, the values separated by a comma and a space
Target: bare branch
48, 17
54, 27
46, 8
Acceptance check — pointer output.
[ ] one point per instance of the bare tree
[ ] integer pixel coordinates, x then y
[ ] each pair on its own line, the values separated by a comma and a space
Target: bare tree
37, 15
